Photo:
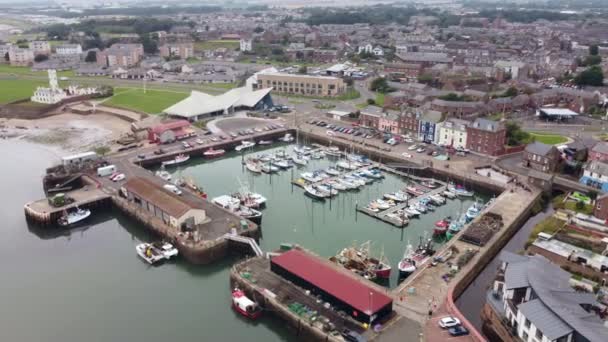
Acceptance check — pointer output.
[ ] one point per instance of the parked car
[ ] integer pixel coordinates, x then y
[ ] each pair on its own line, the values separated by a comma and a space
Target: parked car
330, 133
406, 155
352, 336
174, 189
458, 330
409, 140
420, 150
185, 144
412, 148
141, 156
448, 322
159, 151
119, 177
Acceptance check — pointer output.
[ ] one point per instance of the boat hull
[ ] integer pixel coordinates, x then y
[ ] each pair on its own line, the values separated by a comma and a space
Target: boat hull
383, 273
253, 315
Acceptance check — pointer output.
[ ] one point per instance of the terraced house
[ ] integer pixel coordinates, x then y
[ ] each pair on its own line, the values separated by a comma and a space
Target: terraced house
302, 84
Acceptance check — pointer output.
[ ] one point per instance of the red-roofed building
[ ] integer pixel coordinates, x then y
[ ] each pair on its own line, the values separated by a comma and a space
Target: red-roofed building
170, 132
344, 292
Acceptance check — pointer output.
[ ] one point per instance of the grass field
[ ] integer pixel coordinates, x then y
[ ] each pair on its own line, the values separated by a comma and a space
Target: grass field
215, 44
548, 138
13, 90
152, 102
380, 99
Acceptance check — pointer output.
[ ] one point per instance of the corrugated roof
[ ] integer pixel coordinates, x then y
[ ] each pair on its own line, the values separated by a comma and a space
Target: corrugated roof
544, 319
347, 289
150, 192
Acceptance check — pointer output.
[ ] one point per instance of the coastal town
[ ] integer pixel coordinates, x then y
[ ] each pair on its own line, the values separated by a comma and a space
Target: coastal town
417, 171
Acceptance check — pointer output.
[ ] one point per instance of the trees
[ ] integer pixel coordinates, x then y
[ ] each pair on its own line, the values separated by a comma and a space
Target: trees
592, 76
258, 29
516, 136
594, 50
40, 58
303, 70
150, 45
511, 92
380, 85
91, 57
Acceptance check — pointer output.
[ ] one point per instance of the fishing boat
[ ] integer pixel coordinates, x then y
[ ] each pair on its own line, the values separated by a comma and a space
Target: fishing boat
287, 138
381, 266
473, 211
164, 175
311, 177
244, 305
253, 166
444, 223
407, 266
430, 183
73, 217
248, 198
298, 160
396, 196
234, 205
265, 142
332, 171
423, 252
358, 259
333, 151
315, 192
212, 153
180, 158
455, 227
244, 145
155, 252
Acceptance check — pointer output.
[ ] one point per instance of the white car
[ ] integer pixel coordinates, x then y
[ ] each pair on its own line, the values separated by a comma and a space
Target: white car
420, 150
413, 147
199, 141
119, 177
330, 133
174, 189
409, 140
406, 155
448, 322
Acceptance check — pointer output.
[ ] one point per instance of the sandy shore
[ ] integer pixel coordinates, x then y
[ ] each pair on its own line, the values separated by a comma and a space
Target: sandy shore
70, 132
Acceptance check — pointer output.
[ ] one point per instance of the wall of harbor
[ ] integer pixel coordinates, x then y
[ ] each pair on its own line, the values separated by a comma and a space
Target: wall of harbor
302, 329
50, 218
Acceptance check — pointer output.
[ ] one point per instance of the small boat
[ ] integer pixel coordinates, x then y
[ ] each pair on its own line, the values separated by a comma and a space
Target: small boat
332, 171
400, 217
298, 160
348, 184
414, 190
346, 165
311, 177
211, 153
381, 204
315, 192
431, 184
411, 211
317, 155
456, 226
155, 252
282, 164
336, 185
420, 207
180, 158
329, 189
244, 305
73, 217
449, 194
253, 166
234, 205
265, 142
287, 138
244, 145
396, 196
269, 168
460, 190
164, 175
333, 151
372, 173
407, 266
264, 158
473, 211
363, 177
302, 149
356, 180
437, 199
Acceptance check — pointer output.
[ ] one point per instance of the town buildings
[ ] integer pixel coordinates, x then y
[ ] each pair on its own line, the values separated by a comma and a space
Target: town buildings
486, 137
595, 174
302, 84
453, 133
68, 49
177, 50
541, 157
599, 152
20, 56
40, 47
246, 44
427, 125
121, 55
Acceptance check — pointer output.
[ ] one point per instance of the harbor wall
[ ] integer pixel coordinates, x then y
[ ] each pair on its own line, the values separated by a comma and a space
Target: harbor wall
302, 329
49, 219
481, 260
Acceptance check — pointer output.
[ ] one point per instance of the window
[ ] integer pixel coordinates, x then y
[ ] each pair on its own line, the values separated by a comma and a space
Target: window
539, 334
524, 336
527, 323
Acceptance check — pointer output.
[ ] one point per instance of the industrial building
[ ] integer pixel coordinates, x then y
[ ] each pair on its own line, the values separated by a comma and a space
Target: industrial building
343, 292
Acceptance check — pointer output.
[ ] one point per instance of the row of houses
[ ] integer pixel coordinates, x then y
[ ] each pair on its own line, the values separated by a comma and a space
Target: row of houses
430, 126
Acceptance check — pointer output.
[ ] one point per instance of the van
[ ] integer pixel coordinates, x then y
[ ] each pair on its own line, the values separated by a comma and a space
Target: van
106, 170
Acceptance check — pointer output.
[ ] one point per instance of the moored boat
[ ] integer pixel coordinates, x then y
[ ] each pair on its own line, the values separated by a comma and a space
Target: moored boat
180, 158
298, 160
244, 145
212, 153
253, 166
396, 196
449, 194
407, 266
155, 252
332, 171
73, 217
333, 151
265, 142
287, 138
164, 175
315, 192
245, 306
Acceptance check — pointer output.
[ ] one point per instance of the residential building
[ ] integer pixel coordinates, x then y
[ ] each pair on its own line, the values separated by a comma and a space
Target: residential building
599, 152
426, 59
453, 133
370, 117
366, 48
389, 123
541, 157
532, 299
40, 47
595, 174
324, 56
302, 84
20, 56
181, 50
409, 123
511, 70
486, 137
121, 55
246, 44
457, 109
600, 209
427, 125
173, 210
4, 52
68, 49
408, 71
170, 132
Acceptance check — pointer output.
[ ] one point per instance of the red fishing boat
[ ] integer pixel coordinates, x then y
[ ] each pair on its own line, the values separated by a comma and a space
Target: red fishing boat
211, 153
407, 266
244, 305
441, 226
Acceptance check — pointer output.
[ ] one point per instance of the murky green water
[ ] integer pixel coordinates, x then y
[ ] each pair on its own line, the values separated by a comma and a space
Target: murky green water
88, 284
